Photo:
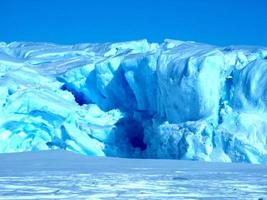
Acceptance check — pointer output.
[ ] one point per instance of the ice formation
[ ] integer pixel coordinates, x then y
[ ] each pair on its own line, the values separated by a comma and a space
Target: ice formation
180, 100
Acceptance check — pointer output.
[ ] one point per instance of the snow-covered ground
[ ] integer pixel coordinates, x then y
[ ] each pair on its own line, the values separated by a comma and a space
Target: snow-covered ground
60, 174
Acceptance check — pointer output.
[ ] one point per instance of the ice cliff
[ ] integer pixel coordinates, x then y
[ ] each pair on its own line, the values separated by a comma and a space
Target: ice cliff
180, 100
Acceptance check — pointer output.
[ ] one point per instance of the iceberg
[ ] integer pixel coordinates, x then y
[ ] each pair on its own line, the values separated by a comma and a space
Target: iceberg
176, 100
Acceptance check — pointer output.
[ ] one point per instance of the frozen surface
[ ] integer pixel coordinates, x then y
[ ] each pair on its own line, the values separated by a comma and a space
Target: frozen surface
180, 100
42, 175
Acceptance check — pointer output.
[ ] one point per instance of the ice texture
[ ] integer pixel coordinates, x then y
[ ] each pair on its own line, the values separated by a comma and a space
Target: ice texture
178, 100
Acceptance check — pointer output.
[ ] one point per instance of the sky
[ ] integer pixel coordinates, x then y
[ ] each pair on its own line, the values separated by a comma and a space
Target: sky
219, 22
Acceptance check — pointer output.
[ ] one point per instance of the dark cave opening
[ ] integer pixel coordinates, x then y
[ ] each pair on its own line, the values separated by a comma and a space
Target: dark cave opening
133, 132
138, 142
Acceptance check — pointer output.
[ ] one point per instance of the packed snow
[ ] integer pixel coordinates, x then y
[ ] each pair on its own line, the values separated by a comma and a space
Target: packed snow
179, 100
59, 174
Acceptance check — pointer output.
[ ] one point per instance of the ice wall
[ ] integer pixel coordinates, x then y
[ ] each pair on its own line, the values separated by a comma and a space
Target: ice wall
181, 100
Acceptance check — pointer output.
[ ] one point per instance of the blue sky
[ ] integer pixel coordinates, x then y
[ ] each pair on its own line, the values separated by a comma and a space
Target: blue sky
220, 22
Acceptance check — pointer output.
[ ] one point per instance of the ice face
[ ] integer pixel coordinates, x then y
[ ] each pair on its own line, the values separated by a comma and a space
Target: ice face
181, 100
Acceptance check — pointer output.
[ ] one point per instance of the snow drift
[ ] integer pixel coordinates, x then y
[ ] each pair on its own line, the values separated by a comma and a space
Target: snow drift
181, 100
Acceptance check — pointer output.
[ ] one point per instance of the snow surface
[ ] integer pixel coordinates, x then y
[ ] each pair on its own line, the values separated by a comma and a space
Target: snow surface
65, 175
181, 100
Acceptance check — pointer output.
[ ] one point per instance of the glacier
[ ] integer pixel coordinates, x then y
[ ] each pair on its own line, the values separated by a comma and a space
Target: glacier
175, 100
